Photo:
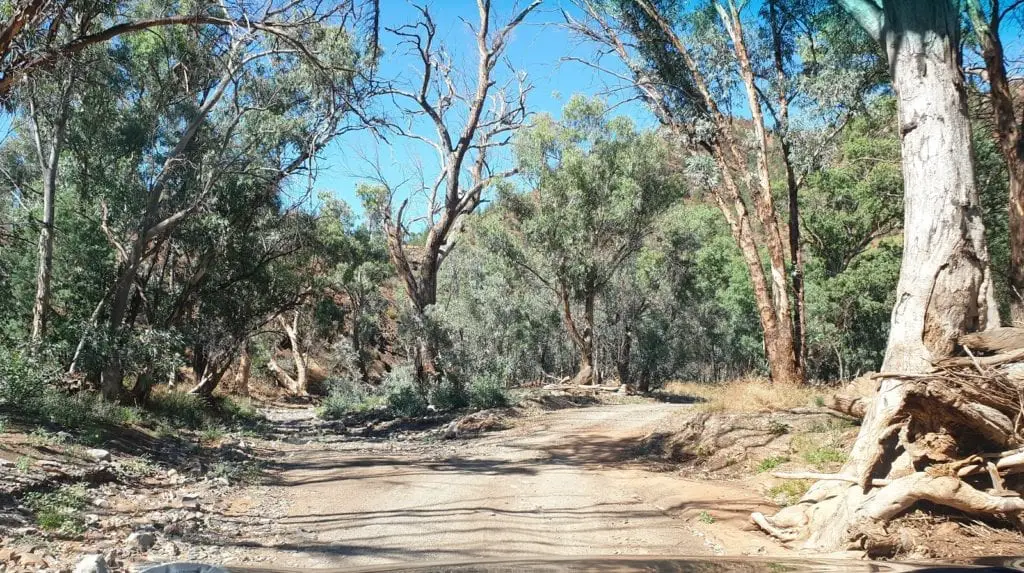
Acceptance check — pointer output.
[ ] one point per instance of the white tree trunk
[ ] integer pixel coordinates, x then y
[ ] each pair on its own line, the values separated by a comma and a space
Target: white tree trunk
945, 284
50, 164
300, 384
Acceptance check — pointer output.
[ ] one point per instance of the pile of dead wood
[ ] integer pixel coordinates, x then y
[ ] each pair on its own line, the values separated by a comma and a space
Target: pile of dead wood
956, 439
967, 404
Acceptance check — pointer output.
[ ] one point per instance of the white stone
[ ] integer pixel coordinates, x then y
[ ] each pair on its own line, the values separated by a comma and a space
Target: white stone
141, 540
98, 455
93, 563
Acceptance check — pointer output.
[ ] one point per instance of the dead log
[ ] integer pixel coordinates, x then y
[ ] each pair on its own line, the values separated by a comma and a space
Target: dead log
995, 341
981, 361
854, 398
947, 424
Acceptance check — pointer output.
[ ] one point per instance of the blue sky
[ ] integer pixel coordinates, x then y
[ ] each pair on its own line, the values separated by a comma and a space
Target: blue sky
539, 48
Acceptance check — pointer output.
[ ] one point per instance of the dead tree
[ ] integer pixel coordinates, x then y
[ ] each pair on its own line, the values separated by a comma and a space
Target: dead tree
468, 126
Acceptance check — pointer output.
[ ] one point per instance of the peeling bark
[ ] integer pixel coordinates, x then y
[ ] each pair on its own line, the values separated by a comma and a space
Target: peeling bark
945, 284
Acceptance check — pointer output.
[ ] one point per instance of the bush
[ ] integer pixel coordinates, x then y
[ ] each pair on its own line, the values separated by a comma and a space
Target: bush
449, 394
28, 387
346, 397
240, 411
23, 380
487, 392
406, 401
181, 409
403, 396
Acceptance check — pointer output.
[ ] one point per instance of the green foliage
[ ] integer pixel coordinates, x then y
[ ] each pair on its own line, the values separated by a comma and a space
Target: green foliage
239, 411
852, 212
137, 467
488, 392
597, 186
347, 397
450, 394
59, 510
247, 472
180, 409
212, 433
789, 492
824, 456
404, 397
770, 463
23, 380
706, 518
28, 389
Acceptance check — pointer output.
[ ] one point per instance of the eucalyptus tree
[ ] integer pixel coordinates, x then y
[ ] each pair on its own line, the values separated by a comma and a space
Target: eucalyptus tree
989, 22
596, 187
40, 34
691, 67
199, 121
945, 288
852, 217
469, 124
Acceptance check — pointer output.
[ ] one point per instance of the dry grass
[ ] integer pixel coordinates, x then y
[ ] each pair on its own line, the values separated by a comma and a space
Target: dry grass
747, 395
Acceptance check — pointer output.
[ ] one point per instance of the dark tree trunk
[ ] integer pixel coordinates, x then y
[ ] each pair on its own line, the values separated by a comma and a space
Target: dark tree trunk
582, 338
1009, 132
622, 361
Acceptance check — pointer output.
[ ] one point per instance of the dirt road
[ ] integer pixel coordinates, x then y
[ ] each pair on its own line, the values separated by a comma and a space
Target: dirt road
560, 483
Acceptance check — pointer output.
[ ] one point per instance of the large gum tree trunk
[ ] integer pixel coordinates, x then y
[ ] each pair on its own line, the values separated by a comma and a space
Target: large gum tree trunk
945, 286
50, 165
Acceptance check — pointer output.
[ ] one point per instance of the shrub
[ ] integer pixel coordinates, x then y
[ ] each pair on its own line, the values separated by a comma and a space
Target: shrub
212, 434
137, 467
346, 397
240, 411
403, 396
180, 409
247, 472
23, 380
449, 394
406, 401
487, 392
824, 456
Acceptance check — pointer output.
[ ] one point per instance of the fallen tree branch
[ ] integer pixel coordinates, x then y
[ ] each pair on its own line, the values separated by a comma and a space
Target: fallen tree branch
994, 360
828, 477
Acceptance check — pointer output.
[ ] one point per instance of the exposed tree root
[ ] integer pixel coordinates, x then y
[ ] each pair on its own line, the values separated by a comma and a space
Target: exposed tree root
953, 437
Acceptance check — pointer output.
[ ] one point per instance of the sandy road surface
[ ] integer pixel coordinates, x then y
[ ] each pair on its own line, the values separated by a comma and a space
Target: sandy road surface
557, 484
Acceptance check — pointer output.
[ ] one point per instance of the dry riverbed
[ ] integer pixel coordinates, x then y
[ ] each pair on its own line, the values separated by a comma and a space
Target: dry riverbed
308, 494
